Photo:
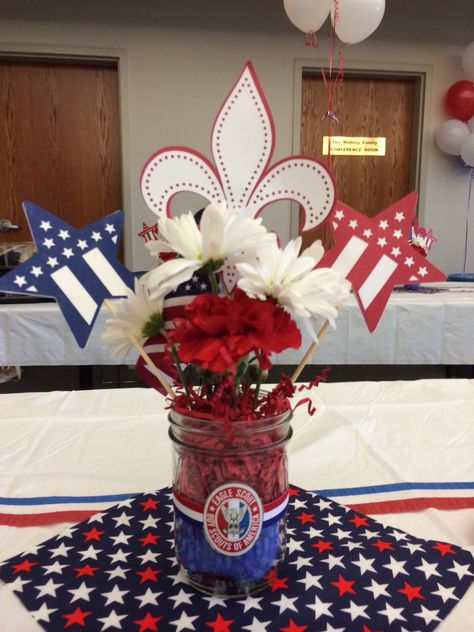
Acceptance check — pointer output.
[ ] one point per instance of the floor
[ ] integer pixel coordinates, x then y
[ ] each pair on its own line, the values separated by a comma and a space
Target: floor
74, 378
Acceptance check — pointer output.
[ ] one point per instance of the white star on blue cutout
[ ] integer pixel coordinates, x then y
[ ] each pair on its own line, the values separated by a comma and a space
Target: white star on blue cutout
79, 276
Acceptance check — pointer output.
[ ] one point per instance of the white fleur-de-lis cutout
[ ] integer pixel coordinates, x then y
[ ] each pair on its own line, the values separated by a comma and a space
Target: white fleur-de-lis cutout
242, 146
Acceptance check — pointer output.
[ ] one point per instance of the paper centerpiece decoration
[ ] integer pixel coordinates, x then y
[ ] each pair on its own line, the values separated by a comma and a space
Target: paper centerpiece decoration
374, 254
421, 238
78, 267
242, 143
243, 137
242, 147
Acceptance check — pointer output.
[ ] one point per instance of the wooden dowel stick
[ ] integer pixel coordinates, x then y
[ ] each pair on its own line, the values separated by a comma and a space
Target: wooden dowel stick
309, 352
311, 349
149, 362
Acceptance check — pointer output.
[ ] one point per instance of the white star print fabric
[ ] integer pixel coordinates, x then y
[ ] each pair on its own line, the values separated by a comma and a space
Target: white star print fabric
344, 572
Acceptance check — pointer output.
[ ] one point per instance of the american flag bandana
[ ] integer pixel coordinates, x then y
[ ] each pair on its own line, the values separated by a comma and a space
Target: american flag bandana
78, 267
344, 572
173, 307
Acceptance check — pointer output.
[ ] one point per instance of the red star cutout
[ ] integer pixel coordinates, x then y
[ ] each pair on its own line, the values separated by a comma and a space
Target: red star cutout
24, 566
359, 521
276, 582
150, 503
366, 629
93, 534
344, 585
412, 592
381, 545
373, 253
444, 548
149, 539
293, 492
86, 570
148, 575
147, 623
77, 616
219, 624
322, 545
292, 627
304, 517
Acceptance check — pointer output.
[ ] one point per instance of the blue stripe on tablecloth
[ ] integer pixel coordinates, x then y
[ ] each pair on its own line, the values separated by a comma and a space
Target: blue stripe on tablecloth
337, 491
393, 487
57, 500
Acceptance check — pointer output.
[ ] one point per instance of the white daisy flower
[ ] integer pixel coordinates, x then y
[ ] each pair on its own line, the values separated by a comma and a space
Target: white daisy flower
222, 233
138, 315
294, 282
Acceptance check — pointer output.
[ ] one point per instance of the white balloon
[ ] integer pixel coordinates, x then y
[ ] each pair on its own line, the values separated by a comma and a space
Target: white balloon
468, 61
470, 124
450, 136
307, 15
356, 19
467, 150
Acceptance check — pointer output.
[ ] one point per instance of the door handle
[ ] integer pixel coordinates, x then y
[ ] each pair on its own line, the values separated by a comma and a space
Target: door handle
6, 225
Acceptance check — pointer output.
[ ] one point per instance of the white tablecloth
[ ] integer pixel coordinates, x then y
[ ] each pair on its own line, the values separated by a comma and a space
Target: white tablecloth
414, 329
368, 442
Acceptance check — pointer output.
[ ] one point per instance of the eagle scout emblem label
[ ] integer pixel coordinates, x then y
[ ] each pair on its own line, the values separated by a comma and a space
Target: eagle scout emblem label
233, 516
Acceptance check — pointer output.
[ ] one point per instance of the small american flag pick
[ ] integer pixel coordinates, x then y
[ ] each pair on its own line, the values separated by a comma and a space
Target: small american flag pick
173, 307
374, 254
78, 267
344, 572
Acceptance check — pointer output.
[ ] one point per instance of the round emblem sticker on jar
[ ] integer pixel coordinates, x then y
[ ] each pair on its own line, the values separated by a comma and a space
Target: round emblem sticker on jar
233, 516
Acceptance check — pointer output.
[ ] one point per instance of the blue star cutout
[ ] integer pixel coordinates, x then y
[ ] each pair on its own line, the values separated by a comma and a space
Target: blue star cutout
77, 267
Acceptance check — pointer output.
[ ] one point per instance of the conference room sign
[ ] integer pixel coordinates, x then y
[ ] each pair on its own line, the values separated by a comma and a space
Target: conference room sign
354, 145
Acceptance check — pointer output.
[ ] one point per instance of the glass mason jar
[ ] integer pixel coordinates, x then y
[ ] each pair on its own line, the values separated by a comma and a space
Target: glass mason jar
230, 492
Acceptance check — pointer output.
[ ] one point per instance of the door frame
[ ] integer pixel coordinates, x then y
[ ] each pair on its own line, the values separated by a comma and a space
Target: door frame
421, 74
91, 55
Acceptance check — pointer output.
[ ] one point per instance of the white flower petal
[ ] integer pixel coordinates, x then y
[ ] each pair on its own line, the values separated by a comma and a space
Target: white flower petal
294, 282
167, 276
130, 315
182, 234
222, 234
315, 251
156, 246
212, 230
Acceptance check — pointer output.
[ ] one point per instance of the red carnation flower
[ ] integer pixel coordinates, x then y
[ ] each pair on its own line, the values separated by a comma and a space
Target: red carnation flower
220, 330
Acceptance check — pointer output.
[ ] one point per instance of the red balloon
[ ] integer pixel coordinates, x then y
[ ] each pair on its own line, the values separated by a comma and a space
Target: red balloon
459, 100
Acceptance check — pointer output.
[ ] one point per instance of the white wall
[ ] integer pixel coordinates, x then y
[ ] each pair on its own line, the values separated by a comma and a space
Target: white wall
179, 59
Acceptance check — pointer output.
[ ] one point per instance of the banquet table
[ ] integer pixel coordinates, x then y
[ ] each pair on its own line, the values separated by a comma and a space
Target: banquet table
430, 326
400, 451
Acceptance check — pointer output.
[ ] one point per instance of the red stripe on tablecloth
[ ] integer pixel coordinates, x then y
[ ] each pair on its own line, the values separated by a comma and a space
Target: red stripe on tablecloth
39, 519
380, 507
413, 504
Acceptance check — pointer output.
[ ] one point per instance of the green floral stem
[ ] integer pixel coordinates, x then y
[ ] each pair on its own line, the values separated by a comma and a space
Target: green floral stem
258, 383
174, 353
213, 282
239, 374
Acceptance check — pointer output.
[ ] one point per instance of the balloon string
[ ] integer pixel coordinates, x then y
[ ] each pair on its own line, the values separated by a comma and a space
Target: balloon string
329, 81
340, 67
311, 39
471, 178
329, 114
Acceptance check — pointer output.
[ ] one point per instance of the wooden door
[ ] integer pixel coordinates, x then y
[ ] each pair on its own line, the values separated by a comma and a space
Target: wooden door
365, 107
60, 141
